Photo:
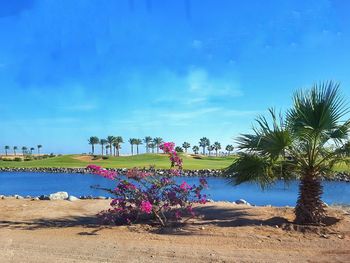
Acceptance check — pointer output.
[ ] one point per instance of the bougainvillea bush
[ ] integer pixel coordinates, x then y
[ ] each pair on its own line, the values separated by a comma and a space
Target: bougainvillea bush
144, 195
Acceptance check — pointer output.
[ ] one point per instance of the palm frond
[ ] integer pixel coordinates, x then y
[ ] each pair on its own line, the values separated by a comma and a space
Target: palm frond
251, 168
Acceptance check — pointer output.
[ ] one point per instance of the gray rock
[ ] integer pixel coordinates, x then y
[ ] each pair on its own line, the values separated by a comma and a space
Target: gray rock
35, 199
242, 202
72, 198
58, 196
19, 197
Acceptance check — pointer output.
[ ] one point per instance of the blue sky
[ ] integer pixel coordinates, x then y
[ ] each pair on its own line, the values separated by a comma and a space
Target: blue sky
180, 69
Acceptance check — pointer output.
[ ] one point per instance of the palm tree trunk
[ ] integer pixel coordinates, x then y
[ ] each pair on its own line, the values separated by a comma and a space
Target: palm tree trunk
117, 149
204, 150
102, 149
310, 209
132, 149
92, 148
6, 152
137, 148
216, 153
14, 151
157, 148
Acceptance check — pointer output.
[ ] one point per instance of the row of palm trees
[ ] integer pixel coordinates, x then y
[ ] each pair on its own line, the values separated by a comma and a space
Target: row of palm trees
112, 145
204, 143
25, 150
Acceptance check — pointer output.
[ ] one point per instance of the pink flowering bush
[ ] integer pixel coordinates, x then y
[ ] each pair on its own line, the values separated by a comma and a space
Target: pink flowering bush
145, 195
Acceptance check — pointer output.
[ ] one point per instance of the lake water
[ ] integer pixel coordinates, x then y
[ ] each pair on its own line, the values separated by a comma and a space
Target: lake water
35, 184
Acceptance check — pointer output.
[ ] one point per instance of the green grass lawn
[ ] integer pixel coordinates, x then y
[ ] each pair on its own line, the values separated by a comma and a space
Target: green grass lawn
142, 160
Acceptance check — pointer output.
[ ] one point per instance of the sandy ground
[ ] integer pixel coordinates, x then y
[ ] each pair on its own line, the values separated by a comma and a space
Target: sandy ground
63, 231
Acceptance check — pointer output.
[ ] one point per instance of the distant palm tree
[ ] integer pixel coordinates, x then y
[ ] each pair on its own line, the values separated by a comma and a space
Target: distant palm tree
147, 140
14, 150
158, 141
132, 142
103, 142
186, 145
229, 148
7, 148
118, 141
31, 150
24, 149
217, 147
298, 145
39, 146
110, 140
114, 148
138, 142
204, 142
195, 149
152, 146
210, 149
107, 147
92, 141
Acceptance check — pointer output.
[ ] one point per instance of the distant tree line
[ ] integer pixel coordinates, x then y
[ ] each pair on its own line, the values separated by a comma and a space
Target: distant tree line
112, 145
25, 150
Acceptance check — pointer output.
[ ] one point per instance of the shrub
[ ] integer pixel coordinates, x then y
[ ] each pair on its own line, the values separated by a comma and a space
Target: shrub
179, 149
144, 195
95, 157
105, 157
17, 159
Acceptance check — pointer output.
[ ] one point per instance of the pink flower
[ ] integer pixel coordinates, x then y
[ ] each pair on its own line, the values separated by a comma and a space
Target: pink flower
103, 172
146, 207
174, 172
185, 186
137, 174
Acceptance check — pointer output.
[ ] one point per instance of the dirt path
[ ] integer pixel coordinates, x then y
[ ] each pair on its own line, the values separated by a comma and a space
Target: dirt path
62, 231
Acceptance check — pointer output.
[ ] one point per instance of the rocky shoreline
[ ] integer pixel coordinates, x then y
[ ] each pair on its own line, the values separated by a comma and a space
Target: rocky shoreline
338, 176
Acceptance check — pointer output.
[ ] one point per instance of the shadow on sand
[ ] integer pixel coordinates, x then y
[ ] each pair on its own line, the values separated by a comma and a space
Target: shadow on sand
209, 215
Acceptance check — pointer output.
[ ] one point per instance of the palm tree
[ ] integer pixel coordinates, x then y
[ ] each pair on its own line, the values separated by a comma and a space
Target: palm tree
118, 140
132, 142
152, 146
229, 148
103, 142
39, 146
110, 140
297, 145
210, 149
217, 147
158, 141
14, 150
24, 149
186, 145
195, 149
6, 148
31, 150
93, 140
107, 147
204, 142
138, 142
147, 140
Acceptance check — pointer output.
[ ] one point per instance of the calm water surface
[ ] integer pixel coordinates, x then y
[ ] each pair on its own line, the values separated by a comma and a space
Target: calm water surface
35, 184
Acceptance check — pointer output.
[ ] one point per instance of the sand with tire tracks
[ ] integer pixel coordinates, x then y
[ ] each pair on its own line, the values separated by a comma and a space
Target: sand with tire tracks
63, 231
